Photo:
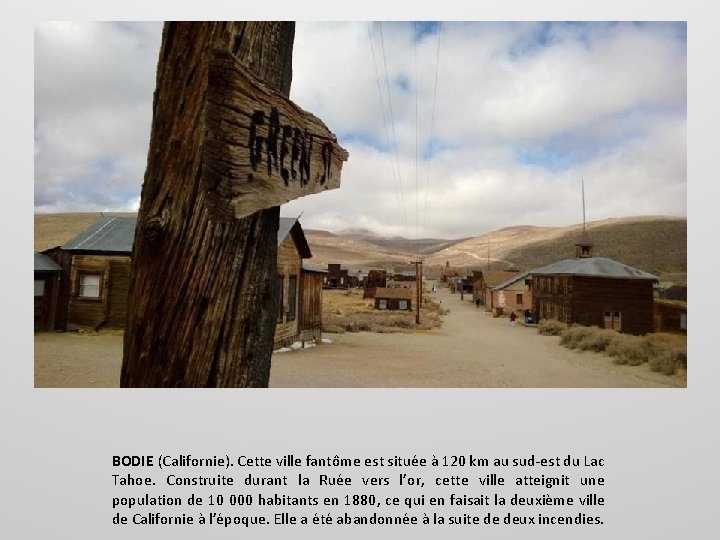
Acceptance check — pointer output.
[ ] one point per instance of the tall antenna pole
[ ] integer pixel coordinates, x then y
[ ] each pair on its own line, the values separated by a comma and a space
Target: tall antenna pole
583, 202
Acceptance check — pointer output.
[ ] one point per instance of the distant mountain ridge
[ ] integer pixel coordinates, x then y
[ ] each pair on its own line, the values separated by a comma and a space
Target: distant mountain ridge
656, 244
421, 246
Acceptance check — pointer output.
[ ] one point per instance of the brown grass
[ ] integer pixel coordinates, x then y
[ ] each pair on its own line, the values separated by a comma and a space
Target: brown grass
348, 311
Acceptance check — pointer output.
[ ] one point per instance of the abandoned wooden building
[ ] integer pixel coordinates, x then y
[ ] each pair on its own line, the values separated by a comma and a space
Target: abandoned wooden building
95, 275
300, 296
447, 272
394, 299
484, 281
91, 281
311, 287
47, 286
336, 277
403, 273
513, 294
670, 315
375, 279
594, 291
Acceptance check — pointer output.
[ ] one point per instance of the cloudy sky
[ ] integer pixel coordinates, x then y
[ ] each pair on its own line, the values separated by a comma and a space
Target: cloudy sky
453, 128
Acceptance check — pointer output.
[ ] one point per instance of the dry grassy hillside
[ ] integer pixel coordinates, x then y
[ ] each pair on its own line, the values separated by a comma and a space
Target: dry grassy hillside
55, 229
656, 244
327, 248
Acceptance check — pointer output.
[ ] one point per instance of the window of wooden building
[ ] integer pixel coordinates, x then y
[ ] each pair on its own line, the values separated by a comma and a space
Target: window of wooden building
382, 304
519, 299
281, 285
403, 304
89, 285
292, 298
39, 287
613, 320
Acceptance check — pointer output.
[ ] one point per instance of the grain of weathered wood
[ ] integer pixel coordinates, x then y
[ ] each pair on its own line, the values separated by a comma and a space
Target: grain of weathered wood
261, 149
202, 293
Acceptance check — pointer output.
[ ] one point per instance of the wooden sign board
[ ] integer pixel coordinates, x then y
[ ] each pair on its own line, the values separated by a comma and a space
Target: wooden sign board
260, 149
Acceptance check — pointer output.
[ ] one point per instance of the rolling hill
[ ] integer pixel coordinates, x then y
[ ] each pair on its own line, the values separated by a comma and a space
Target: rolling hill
657, 244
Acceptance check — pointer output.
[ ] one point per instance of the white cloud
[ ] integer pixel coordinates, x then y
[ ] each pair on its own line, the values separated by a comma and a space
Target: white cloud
523, 112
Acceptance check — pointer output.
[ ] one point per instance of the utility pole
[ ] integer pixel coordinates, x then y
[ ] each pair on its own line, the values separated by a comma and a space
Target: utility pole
418, 288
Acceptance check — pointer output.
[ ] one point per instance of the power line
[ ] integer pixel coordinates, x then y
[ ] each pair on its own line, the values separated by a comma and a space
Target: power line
415, 41
395, 174
432, 121
392, 117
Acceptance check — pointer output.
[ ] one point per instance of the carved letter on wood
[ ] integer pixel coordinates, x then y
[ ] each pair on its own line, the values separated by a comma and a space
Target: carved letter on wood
260, 149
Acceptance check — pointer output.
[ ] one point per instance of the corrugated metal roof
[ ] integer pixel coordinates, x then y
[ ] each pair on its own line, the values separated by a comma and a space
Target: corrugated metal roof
285, 226
593, 266
510, 281
313, 268
114, 234
43, 263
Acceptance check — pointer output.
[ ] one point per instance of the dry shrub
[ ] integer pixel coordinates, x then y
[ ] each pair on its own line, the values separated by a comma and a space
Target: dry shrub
588, 338
665, 353
599, 340
670, 362
403, 323
628, 350
551, 327
664, 363
575, 336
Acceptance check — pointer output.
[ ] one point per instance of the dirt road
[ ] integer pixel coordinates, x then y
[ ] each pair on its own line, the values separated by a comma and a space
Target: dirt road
472, 349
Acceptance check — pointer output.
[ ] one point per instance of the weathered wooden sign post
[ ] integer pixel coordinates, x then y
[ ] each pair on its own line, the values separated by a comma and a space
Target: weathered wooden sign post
226, 148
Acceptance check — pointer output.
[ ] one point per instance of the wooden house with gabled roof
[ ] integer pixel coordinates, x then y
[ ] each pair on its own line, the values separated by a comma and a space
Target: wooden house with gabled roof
92, 272
394, 298
96, 275
513, 294
375, 279
485, 280
292, 250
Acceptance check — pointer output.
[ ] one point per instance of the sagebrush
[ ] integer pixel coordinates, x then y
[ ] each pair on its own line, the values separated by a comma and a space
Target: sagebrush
663, 352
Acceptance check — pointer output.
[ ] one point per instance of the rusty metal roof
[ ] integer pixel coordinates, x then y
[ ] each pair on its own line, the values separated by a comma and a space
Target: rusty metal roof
114, 234
593, 266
